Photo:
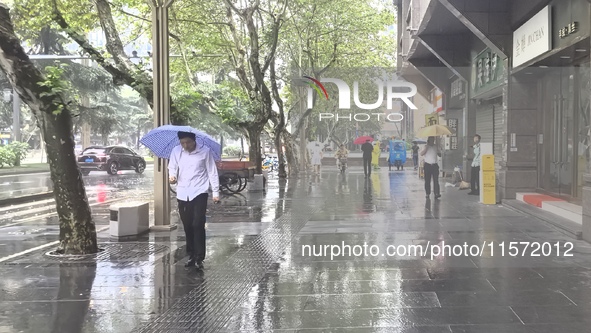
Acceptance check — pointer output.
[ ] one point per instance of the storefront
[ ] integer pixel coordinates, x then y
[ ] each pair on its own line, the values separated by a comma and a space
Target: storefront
559, 61
488, 73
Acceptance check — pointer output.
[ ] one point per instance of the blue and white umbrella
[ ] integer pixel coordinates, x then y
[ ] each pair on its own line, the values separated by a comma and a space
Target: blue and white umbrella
163, 139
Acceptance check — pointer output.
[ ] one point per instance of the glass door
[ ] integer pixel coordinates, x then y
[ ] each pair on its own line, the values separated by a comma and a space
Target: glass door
584, 124
559, 137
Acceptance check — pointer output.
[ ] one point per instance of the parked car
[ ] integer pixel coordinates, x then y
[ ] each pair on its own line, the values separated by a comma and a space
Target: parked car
110, 159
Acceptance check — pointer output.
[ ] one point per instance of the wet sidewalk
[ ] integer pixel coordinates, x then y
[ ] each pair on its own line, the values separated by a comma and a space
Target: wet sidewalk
266, 272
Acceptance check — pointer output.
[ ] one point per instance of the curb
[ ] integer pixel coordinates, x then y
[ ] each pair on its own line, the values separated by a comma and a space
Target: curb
25, 198
24, 172
565, 225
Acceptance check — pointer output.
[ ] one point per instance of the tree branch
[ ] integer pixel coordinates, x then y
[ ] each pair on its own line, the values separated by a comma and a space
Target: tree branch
277, 23
135, 16
141, 83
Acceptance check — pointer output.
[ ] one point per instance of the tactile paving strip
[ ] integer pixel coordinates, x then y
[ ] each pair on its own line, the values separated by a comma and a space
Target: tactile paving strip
209, 307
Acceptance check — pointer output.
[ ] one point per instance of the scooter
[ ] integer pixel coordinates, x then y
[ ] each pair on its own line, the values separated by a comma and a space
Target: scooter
271, 163
397, 156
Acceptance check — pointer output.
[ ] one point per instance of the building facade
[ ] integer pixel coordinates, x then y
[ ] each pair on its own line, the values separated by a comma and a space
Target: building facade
518, 74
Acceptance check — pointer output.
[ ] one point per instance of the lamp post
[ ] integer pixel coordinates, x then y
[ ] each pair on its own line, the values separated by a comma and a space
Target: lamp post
160, 70
9, 95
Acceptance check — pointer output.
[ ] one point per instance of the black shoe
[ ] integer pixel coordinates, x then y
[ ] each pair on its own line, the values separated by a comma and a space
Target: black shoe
200, 265
190, 263
437, 196
473, 193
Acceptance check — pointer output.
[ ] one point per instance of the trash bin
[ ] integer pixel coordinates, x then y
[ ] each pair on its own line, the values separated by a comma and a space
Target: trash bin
258, 184
129, 218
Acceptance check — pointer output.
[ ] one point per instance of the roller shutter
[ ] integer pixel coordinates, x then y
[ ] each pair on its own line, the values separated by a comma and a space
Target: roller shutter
484, 122
498, 133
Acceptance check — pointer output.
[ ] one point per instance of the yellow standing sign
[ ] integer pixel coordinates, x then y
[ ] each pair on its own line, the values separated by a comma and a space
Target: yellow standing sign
488, 181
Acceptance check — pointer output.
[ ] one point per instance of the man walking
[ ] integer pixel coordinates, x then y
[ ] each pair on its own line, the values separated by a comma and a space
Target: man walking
475, 172
430, 153
367, 150
194, 170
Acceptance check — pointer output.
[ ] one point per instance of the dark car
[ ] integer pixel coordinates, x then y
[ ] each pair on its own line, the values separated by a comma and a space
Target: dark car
110, 159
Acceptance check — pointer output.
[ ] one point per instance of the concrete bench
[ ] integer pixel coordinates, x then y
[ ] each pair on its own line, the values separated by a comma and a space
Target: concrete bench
129, 218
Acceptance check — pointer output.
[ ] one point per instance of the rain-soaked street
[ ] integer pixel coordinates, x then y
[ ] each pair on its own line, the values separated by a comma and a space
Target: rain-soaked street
265, 270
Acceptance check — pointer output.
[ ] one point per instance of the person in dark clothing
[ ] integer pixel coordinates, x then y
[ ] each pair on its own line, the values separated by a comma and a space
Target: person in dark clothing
430, 153
367, 149
415, 154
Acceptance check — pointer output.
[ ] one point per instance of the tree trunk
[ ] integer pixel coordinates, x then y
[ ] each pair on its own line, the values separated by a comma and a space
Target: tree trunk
77, 230
254, 148
281, 160
291, 151
241, 148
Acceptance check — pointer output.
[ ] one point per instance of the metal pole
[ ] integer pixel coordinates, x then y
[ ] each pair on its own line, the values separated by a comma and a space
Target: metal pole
85, 128
303, 143
160, 58
16, 116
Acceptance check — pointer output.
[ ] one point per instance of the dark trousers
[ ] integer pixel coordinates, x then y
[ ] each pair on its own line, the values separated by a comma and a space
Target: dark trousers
475, 179
193, 216
415, 160
431, 171
367, 165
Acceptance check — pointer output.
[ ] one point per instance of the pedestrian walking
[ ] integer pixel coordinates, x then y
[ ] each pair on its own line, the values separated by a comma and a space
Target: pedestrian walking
431, 168
193, 170
475, 171
316, 153
367, 150
415, 154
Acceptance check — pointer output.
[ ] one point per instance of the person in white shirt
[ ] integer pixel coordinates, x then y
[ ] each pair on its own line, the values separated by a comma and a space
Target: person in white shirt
475, 172
194, 170
317, 155
431, 168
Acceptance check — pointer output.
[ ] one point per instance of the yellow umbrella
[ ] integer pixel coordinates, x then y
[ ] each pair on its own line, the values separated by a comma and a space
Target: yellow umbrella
434, 130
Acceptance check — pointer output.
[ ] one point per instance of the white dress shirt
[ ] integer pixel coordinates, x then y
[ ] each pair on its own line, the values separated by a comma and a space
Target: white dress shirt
195, 171
476, 161
431, 154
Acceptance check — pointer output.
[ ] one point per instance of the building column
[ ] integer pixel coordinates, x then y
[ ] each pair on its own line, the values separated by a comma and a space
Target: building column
160, 65
16, 116
587, 206
518, 167
587, 201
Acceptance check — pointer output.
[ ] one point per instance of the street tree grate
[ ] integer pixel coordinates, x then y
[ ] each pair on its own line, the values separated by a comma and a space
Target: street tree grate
111, 252
210, 306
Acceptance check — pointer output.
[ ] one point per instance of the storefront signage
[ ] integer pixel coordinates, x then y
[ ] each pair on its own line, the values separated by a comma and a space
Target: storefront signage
453, 125
570, 29
532, 38
431, 119
437, 100
457, 89
487, 71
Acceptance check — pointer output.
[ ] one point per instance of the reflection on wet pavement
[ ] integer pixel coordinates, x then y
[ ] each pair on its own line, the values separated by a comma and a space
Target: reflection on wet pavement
257, 278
